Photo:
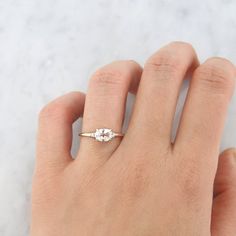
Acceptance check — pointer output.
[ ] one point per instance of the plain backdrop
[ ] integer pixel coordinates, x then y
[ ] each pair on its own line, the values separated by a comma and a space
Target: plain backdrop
50, 47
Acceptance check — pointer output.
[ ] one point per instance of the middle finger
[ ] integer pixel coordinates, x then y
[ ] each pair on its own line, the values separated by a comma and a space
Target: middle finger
158, 92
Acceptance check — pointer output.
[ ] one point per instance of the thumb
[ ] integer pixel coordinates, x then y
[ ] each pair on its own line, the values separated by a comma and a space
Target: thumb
224, 202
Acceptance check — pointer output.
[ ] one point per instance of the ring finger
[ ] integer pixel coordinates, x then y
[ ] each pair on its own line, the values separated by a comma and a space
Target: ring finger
105, 105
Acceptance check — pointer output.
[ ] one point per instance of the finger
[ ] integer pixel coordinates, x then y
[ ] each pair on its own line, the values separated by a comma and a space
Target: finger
105, 105
158, 92
55, 129
205, 111
224, 203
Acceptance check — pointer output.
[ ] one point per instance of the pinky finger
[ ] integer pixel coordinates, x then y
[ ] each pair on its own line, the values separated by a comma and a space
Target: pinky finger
55, 129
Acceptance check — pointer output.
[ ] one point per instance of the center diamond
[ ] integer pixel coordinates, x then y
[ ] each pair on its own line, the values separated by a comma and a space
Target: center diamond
104, 135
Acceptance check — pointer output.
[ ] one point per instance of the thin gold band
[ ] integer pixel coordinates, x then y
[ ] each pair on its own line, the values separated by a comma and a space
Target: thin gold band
91, 134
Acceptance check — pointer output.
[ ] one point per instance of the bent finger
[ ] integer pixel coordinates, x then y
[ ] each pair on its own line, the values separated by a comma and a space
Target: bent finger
55, 128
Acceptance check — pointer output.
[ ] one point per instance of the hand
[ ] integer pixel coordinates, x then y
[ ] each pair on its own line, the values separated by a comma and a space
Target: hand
142, 184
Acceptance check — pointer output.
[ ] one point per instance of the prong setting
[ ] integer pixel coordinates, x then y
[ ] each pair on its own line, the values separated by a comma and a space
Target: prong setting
104, 135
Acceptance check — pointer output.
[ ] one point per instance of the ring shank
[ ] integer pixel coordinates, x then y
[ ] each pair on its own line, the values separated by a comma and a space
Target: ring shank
118, 135
92, 134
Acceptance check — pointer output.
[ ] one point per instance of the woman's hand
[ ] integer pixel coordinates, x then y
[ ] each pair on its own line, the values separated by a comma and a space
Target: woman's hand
142, 184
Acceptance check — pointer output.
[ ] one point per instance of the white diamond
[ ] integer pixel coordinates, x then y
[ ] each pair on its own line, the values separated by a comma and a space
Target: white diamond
104, 135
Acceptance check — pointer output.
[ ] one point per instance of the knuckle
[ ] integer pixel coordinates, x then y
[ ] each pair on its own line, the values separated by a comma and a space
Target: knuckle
53, 111
164, 62
216, 74
188, 179
108, 77
135, 180
190, 184
171, 59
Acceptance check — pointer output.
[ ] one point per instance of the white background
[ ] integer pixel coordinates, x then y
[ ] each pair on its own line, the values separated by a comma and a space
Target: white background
49, 47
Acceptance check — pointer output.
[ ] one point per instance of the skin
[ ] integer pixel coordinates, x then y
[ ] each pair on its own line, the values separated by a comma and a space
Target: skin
143, 184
